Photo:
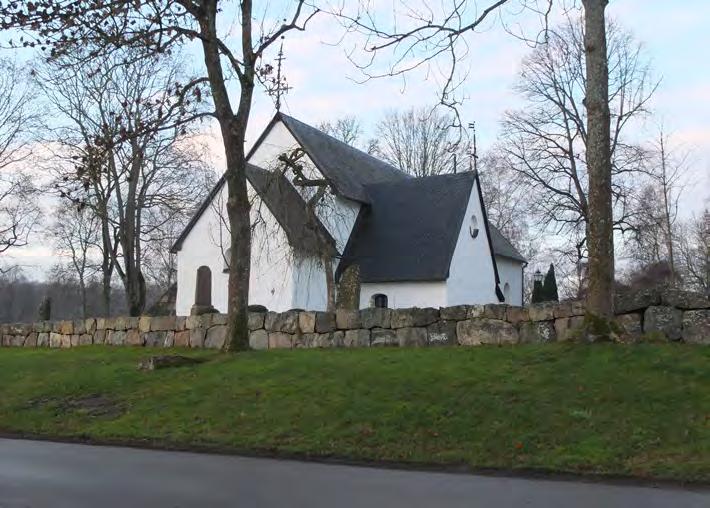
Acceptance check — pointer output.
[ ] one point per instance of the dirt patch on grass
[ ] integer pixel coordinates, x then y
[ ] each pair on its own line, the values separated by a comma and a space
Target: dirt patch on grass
94, 405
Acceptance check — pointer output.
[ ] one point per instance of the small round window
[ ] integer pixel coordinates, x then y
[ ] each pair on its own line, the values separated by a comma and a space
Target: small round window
473, 228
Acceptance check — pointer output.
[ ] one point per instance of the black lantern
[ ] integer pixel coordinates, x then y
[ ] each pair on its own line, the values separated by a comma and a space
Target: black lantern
537, 276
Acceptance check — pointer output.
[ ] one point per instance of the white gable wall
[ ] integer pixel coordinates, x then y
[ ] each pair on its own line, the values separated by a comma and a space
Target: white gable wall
510, 273
271, 279
471, 273
339, 216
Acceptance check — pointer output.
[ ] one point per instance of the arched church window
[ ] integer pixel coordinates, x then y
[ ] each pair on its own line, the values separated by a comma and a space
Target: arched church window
506, 292
379, 301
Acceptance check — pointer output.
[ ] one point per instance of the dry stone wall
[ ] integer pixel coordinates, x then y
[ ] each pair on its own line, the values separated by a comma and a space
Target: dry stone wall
655, 315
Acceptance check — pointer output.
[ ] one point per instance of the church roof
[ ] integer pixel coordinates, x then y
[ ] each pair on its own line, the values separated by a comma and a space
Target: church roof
407, 227
288, 208
348, 169
410, 228
502, 246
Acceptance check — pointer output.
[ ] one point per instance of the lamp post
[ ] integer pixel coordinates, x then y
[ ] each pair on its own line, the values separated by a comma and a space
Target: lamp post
537, 295
537, 276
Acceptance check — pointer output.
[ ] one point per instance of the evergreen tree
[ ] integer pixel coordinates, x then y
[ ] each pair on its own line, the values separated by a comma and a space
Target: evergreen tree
549, 287
537, 294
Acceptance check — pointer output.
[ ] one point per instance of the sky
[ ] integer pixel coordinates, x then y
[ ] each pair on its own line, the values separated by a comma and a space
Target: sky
325, 86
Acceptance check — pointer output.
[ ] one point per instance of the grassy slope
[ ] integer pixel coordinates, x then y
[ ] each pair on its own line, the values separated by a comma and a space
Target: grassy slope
640, 410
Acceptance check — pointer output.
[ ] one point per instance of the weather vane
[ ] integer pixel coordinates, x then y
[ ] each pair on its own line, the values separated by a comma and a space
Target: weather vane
280, 86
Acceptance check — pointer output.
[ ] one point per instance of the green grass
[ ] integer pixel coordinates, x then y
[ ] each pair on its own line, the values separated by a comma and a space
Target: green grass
639, 410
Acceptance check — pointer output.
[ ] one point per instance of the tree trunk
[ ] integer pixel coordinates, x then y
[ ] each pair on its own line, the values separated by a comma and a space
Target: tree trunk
600, 239
329, 282
233, 129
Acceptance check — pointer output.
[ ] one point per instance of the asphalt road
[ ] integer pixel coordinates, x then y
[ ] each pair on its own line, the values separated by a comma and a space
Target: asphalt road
43, 474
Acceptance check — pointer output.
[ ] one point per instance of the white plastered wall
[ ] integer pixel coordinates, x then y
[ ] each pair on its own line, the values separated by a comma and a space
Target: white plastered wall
471, 273
510, 272
405, 294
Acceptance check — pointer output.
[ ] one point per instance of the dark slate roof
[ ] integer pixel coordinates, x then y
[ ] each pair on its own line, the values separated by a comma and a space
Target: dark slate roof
289, 209
410, 229
502, 246
347, 168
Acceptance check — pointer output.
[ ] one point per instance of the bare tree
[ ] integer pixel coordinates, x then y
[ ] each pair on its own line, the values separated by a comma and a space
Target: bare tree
421, 141
694, 253
19, 212
347, 129
76, 234
547, 142
160, 27
135, 167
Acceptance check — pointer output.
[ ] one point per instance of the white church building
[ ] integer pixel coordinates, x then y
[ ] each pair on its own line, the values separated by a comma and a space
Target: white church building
423, 242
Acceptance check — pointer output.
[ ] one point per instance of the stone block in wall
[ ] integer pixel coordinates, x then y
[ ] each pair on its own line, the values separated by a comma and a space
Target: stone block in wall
259, 339
182, 338
325, 340
120, 323
144, 324
17, 340
74, 340
337, 338
43, 339
197, 337
637, 300
286, 322
515, 315
135, 338
474, 332
569, 309
79, 326
5, 340
255, 320
412, 336
495, 311
55, 339
375, 317
164, 323
631, 323
152, 339
685, 300
454, 313
86, 339
280, 340
383, 337
66, 341
31, 340
101, 323
169, 339
100, 336
307, 321
90, 325
325, 322
476, 311
357, 338
666, 321
303, 340
216, 337
346, 319
696, 326
441, 333
537, 332
180, 323
567, 328
116, 337
220, 319
197, 321
66, 327
413, 317
541, 311
42, 326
